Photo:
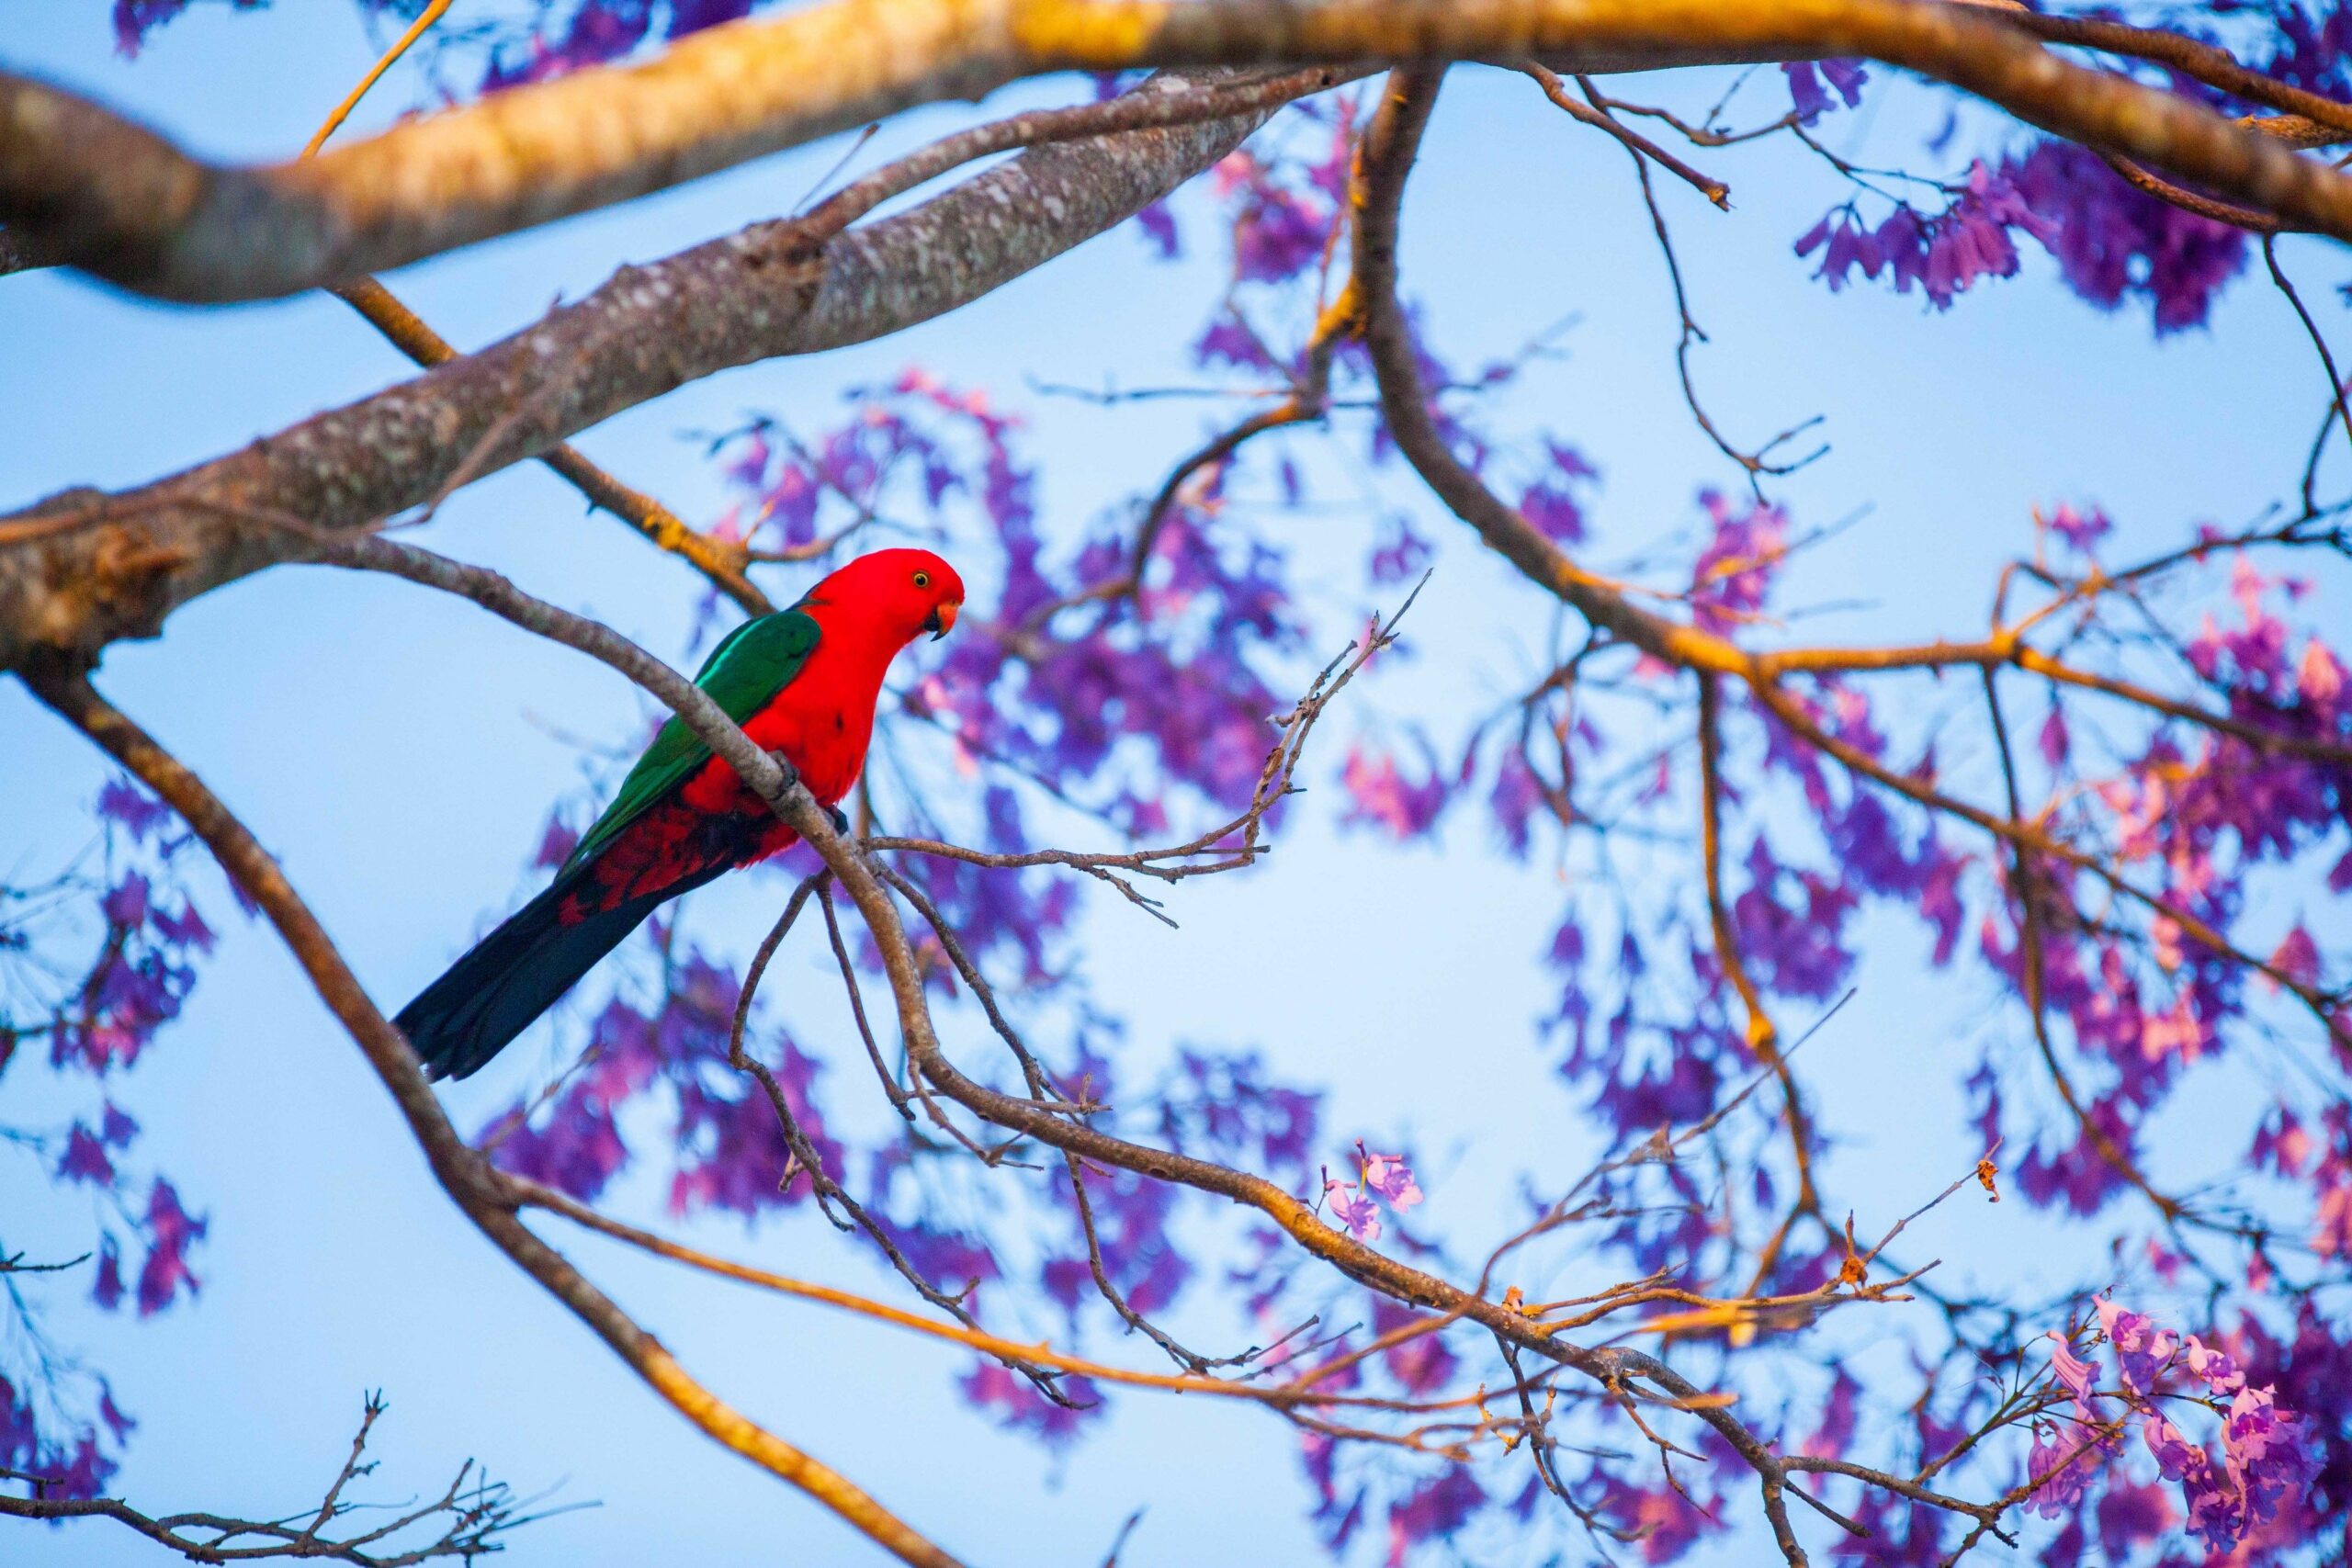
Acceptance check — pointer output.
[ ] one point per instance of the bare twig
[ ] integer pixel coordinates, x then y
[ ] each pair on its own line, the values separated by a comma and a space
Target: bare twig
473, 1517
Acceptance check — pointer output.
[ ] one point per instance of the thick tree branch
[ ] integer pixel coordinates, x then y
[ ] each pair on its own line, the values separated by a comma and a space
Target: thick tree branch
110, 196
83, 568
14, 255
97, 567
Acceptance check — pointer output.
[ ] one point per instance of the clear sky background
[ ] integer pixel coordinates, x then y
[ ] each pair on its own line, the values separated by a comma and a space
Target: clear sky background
398, 750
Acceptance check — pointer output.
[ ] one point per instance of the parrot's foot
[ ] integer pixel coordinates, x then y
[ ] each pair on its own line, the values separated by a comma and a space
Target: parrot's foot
792, 777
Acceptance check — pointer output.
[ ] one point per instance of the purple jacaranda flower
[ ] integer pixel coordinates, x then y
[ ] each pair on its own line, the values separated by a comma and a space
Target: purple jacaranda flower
693, 16
69, 1462
1807, 77
1421, 1363
134, 20
575, 1147
2282, 1143
112, 1414
1230, 1111
2054, 740
1067, 1281
730, 1152
107, 1288
1550, 503
1554, 512
1336, 1513
1379, 793
1732, 577
85, 1159
1797, 949
1134, 1223
1516, 798
2141, 1350
2059, 1473
2272, 1455
184, 929
2080, 529
952, 1259
171, 1232
574, 1144
2175, 1454
2079, 1376
2216, 1512
1943, 252
1354, 1209
2297, 957
1227, 340
1277, 232
2112, 242
1659, 1516
1679, 1088
1389, 1176
132, 808
1158, 226
125, 904
2132, 1515
1399, 554
1434, 1511
2212, 1367
1831, 1437
1019, 1406
2079, 1174
599, 31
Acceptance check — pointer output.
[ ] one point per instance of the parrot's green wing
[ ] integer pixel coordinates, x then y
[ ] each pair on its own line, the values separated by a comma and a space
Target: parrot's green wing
742, 675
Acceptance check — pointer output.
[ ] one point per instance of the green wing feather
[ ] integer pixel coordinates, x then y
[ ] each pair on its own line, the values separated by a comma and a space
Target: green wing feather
742, 675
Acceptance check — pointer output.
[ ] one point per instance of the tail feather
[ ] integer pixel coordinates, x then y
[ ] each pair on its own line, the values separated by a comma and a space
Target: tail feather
511, 976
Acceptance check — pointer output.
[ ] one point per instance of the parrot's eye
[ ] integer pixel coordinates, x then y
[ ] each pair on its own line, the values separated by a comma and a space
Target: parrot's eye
923, 580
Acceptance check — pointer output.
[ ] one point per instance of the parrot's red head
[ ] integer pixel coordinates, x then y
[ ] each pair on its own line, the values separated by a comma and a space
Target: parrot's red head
900, 594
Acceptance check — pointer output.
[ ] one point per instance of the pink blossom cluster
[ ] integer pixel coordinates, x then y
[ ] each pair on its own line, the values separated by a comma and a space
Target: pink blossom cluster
2255, 1493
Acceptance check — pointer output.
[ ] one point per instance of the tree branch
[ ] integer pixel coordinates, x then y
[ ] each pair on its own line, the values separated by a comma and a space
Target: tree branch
476, 1188
479, 1513
112, 198
103, 567
86, 568
492, 1199
720, 560
15, 255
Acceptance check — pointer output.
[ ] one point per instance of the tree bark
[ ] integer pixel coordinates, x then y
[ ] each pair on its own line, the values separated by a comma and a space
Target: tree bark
83, 568
99, 192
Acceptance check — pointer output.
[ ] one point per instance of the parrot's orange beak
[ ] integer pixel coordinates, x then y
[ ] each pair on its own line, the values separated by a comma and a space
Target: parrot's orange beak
942, 619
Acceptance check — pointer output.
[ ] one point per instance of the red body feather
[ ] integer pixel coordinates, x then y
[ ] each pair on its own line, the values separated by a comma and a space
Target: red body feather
682, 817
822, 720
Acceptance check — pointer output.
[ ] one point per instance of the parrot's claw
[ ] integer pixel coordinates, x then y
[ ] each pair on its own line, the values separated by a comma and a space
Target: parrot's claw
792, 777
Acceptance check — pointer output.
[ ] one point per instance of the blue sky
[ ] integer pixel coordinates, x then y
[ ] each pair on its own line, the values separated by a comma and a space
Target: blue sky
399, 751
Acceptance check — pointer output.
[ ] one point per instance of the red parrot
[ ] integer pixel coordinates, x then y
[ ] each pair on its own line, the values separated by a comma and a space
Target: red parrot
803, 682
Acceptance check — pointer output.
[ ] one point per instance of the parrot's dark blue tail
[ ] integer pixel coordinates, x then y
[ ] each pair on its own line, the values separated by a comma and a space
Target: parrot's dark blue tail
511, 976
